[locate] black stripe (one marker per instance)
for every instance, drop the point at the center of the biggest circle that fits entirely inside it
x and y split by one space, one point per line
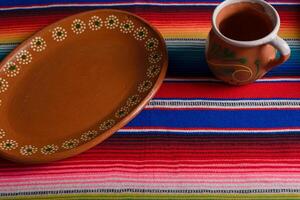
131 190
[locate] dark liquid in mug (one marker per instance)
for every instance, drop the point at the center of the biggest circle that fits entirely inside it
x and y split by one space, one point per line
246 25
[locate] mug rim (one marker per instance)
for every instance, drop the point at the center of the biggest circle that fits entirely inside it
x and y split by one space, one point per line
266 39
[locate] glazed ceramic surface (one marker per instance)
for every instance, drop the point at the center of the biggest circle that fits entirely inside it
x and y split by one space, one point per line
76 82
241 62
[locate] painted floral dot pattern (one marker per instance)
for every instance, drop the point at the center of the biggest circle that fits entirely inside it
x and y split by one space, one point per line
2 133
8 145
49 149
70 144
28 150
59 34
145 86
38 44
24 57
126 26
151 44
153 71
140 33
11 69
78 26
89 135
95 23
3 85
111 22
154 57
133 100
122 112
106 124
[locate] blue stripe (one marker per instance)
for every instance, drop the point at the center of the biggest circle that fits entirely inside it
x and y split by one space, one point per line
187 59
45 2
217 119
7 3
121 132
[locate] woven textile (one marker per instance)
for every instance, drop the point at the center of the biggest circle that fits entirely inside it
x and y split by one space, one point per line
197 139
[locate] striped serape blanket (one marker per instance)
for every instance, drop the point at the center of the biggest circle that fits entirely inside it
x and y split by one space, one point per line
197 139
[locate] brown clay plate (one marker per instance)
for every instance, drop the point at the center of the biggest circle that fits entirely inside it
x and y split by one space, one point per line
76 82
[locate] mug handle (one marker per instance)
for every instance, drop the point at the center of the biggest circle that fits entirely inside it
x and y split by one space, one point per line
284 50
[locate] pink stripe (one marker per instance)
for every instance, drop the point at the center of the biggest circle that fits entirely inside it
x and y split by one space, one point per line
146 179
109 185
105 181
171 128
141 171
163 163
154 176
167 167
286 162
176 165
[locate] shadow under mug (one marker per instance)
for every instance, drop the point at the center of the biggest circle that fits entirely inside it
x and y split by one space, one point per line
239 62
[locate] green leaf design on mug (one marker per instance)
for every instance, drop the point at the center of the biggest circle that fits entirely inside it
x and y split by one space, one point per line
243 60
226 54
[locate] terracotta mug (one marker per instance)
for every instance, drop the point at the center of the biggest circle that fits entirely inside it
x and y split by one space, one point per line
242 44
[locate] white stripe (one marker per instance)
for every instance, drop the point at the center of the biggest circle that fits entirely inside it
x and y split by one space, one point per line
162 176
155 185
277 79
125 4
279 130
168 181
216 80
222 104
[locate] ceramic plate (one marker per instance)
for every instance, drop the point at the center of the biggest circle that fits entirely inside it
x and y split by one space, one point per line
76 82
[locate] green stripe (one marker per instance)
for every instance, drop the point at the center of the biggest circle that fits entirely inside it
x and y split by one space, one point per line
158 196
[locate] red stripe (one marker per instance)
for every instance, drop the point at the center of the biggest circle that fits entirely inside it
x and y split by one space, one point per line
170 149
187 17
222 91
204 128
221 108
